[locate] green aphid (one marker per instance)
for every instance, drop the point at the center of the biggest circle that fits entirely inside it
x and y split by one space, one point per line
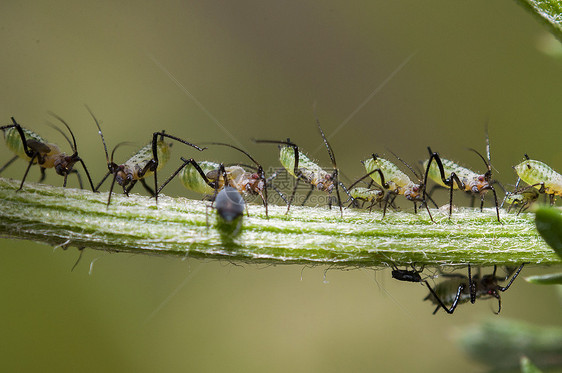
206 177
303 169
540 176
450 175
147 161
32 148
396 182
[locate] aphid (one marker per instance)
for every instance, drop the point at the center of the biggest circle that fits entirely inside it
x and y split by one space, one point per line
365 194
302 168
460 289
523 197
450 175
34 149
540 176
147 161
205 177
407 275
390 177
229 205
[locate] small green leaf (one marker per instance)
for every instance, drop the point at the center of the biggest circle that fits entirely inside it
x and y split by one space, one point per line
549 279
527 366
549 225
548 11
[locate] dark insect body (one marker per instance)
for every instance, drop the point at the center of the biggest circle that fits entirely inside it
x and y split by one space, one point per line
32 148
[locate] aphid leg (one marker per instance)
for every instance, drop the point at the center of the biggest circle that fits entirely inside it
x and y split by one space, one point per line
8 163
308 195
447 181
111 189
27 170
102 181
148 189
78 177
197 167
88 175
127 190
472 285
292 195
512 279
43 175
496 202
333 159
279 192
441 304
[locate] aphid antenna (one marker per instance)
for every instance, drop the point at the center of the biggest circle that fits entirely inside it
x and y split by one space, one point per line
122 143
332 158
406 164
488 166
74 147
59 130
101 135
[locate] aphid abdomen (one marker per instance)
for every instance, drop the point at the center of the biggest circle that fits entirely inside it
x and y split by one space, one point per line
14 143
139 161
393 176
309 171
192 180
464 174
536 172
367 194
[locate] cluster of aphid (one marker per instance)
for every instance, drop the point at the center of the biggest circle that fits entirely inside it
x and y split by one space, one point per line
227 184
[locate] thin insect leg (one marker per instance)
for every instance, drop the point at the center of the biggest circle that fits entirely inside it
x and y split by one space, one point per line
512 279
88 175
127 190
111 188
308 194
472 285
27 170
155 155
415 207
481 202
43 174
496 202
447 181
441 304
387 198
292 196
8 163
337 183
279 192
147 188
102 181
78 177
64 181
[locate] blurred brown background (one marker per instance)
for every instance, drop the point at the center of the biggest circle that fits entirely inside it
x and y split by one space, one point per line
256 69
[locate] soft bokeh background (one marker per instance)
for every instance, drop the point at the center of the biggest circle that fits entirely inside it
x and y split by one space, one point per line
231 70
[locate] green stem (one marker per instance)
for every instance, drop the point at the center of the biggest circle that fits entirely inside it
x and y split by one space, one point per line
80 218
549 12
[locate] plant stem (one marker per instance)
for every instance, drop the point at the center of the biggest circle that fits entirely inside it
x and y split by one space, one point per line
549 12
308 235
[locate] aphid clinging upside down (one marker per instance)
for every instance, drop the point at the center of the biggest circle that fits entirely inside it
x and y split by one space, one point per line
33 148
461 289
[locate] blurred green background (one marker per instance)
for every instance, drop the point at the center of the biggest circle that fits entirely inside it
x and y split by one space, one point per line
256 69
